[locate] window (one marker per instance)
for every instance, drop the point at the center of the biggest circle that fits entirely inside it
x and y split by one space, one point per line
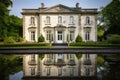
87 71
32 21
71 35
87 56
87 36
59 71
71 56
48 71
71 71
47 20
33 71
60 56
48 35
32 35
33 57
87 20
71 20
59 20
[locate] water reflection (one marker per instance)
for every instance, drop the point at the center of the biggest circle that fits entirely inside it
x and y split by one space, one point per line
16 76
59 65
37 67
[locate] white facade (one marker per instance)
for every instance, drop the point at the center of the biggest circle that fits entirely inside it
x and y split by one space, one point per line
59 23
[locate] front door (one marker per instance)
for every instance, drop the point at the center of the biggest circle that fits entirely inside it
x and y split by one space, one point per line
60 37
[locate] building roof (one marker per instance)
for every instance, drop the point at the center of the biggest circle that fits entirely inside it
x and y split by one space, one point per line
59 9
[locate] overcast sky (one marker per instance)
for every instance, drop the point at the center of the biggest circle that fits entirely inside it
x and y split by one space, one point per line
18 5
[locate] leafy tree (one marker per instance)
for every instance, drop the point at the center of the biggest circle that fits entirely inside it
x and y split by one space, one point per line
78 39
111 17
41 38
114 39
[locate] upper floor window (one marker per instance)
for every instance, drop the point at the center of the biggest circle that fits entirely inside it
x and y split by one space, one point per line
59 20
33 71
48 20
32 20
71 20
48 71
87 71
87 20
59 71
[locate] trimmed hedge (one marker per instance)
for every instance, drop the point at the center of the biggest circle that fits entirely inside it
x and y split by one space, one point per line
93 44
25 45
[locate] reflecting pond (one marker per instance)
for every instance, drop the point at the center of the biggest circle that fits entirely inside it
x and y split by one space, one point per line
17 67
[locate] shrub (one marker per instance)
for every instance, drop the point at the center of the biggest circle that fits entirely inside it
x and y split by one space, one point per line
79 56
9 40
78 39
114 39
41 38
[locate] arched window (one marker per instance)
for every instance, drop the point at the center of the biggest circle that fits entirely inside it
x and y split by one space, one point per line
71 20
87 20
47 20
32 20
59 20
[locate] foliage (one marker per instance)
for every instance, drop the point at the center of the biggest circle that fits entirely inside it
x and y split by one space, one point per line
114 39
79 56
92 44
9 40
10 25
9 64
78 38
111 17
25 45
100 60
41 56
41 38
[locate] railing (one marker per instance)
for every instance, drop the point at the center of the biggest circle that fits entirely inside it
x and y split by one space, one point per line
48 62
32 62
71 62
87 62
60 62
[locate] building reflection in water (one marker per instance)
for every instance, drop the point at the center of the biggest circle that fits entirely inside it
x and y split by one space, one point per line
58 65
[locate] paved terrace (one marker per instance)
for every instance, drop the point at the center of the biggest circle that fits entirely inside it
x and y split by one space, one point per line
61 49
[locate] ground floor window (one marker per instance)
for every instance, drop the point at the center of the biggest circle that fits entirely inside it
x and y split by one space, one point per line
71 35
33 57
87 36
48 35
32 35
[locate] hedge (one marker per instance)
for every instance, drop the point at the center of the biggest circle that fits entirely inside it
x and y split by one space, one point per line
93 44
25 45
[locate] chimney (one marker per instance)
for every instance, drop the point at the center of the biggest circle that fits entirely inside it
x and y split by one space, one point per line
77 5
42 5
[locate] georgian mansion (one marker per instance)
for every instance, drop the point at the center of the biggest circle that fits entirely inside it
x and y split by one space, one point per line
61 24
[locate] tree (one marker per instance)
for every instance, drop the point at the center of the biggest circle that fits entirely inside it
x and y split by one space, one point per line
111 17
78 39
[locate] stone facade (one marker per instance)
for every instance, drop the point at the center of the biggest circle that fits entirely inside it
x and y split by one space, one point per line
60 24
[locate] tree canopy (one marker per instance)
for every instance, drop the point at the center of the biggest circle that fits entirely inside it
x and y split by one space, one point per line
111 17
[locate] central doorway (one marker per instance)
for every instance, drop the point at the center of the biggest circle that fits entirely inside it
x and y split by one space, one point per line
60 37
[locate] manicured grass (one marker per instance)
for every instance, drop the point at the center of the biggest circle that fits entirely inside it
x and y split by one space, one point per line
25 45
92 45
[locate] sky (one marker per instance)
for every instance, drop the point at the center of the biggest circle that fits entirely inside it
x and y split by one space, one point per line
18 5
